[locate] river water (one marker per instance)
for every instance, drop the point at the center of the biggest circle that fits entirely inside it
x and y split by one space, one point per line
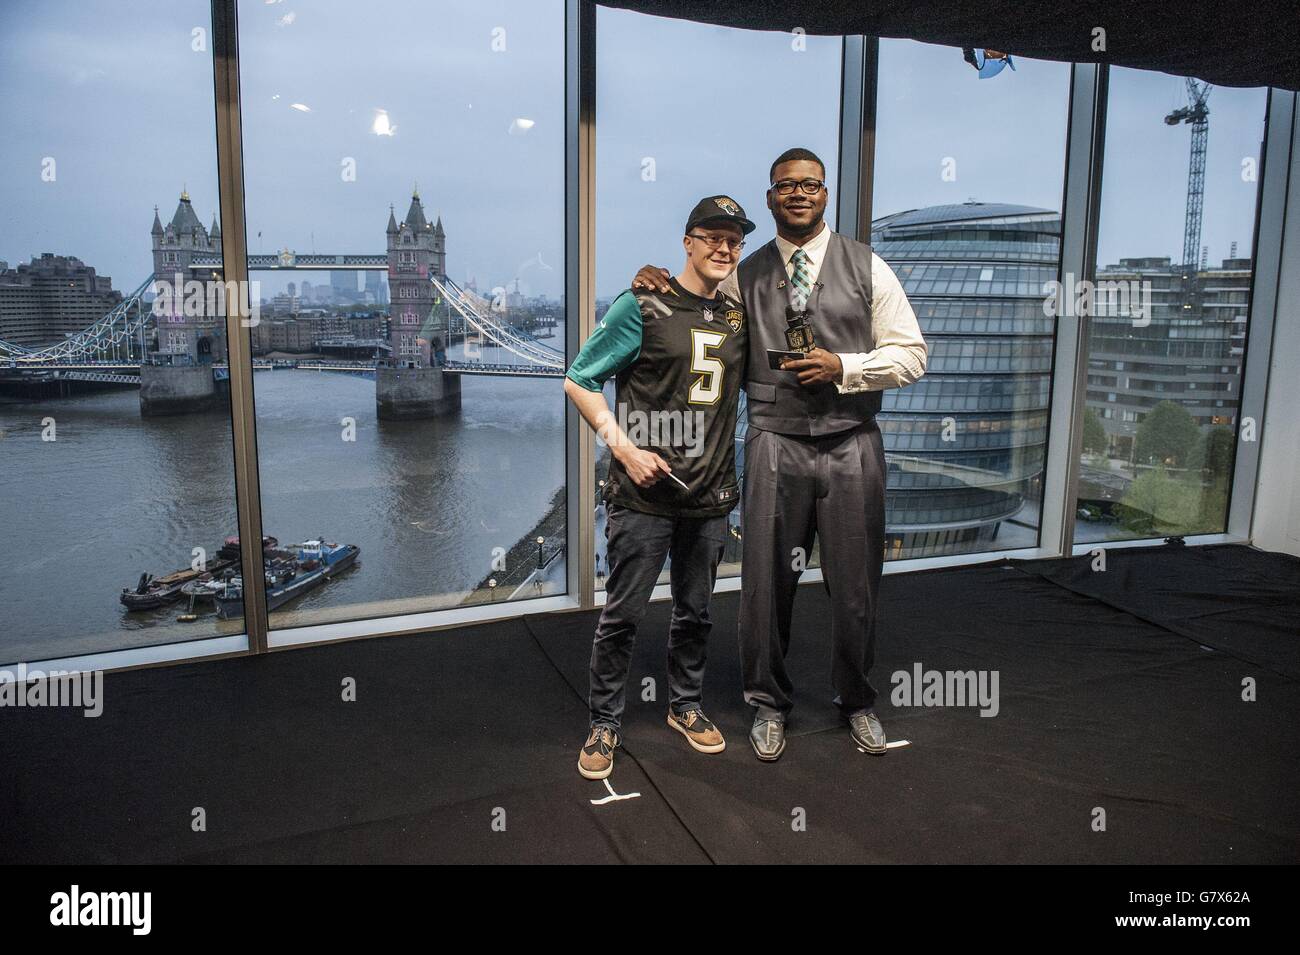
115 494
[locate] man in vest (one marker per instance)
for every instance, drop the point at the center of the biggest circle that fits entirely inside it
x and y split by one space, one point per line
814 461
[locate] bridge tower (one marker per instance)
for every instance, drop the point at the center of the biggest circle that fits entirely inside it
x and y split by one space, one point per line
175 248
415 254
177 378
410 382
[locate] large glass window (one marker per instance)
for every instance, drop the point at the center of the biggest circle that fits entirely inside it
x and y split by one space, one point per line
116 477
404 169
968 184
1175 263
685 111
404 176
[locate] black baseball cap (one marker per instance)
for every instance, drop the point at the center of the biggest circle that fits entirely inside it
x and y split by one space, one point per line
719 209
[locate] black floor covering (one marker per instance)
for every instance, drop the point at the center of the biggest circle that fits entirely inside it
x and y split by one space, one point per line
1120 690
1242 601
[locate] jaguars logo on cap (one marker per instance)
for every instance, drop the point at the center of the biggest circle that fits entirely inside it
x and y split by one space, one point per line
734 318
727 205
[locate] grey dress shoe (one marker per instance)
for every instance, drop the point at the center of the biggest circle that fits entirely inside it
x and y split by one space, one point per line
867 732
768 739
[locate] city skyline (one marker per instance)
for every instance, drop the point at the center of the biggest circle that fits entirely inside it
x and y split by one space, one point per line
295 198
343 118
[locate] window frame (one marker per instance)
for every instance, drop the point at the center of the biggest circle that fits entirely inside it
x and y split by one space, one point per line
1086 110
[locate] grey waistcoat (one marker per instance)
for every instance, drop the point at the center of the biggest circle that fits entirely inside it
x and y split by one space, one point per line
839 310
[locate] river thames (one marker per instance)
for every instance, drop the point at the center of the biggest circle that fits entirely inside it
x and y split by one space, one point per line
115 494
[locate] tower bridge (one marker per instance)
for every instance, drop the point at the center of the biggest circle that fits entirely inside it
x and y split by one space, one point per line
177 357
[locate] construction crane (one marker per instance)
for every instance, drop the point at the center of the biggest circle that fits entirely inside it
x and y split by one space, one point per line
1197 114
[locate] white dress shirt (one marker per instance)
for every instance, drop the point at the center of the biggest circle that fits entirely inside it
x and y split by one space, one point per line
900 354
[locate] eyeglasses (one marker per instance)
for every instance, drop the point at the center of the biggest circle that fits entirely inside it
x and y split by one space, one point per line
810 187
715 242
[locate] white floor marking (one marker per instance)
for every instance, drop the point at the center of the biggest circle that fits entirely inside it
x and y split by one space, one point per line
613 796
894 745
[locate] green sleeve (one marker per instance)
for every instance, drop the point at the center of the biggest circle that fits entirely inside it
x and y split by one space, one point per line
613 346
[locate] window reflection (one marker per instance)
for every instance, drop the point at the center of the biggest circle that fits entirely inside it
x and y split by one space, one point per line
1165 362
116 477
405 184
968 175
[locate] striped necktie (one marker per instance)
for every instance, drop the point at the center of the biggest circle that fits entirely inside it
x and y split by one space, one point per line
800 284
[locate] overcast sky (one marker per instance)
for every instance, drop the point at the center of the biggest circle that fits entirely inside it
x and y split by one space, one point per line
467 100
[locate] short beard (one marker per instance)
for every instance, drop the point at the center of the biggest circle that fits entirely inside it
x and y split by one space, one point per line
812 228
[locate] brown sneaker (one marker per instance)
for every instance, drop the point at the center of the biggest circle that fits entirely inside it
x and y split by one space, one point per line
697 729
596 761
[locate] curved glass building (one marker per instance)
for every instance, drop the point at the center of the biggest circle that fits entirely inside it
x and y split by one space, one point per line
966 444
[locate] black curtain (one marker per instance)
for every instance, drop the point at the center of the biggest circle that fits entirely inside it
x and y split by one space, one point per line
1228 43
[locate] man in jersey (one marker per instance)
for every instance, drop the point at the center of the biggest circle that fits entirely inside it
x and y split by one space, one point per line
814 460
678 359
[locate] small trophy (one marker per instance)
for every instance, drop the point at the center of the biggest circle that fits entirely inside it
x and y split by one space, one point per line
798 330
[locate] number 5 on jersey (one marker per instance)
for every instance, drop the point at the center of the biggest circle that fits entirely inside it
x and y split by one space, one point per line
706 389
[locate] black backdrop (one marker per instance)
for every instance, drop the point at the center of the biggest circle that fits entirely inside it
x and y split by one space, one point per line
1229 43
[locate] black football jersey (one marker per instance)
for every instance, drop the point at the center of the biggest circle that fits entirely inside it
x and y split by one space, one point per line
679 399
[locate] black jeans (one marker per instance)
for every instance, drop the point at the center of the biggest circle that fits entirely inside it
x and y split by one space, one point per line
637 546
